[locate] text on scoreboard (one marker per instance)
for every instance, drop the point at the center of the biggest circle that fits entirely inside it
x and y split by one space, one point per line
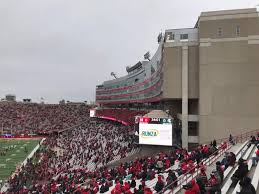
148 120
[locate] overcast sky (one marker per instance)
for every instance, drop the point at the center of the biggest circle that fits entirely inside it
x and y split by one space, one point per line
61 49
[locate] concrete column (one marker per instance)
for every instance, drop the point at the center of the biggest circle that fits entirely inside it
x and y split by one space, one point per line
185 97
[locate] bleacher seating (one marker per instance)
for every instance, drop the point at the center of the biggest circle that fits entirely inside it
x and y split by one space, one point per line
230 170
245 152
151 183
32 118
87 148
247 155
194 175
241 151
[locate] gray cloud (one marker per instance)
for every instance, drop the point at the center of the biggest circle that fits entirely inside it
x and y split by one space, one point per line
62 48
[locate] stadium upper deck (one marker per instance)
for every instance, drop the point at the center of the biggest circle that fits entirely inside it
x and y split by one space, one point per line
142 84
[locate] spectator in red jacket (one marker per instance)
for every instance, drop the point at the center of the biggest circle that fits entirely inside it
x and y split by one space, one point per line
224 145
256 158
117 189
184 167
147 191
205 151
190 166
193 188
126 186
202 175
159 185
214 183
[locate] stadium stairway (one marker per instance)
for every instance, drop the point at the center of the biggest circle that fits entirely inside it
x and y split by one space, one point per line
255 179
246 157
253 173
227 182
241 151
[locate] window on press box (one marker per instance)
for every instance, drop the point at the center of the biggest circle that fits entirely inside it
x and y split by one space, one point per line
219 32
237 30
184 36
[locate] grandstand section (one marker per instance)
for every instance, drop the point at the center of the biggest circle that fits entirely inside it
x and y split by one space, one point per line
30 119
181 121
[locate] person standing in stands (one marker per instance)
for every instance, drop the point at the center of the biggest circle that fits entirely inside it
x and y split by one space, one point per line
140 190
205 151
220 171
256 158
159 184
104 188
193 188
133 182
147 191
241 172
117 189
246 186
198 156
214 143
160 165
171 179
202 175
257 139
228 160
214 184
231 140
202 180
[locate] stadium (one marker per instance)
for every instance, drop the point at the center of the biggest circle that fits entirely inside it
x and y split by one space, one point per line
182 121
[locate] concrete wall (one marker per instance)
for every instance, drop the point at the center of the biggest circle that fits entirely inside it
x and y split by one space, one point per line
193 71
172 73
229 78
172 86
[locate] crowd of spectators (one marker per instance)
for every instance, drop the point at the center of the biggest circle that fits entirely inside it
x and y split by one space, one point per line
28 118
96 142
77 160
62 173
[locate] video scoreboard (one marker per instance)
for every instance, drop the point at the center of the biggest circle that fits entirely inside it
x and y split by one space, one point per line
155 131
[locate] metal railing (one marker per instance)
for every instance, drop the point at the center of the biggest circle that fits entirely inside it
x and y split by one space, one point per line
193 172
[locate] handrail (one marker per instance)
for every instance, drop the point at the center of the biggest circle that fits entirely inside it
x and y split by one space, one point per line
184 178
190 174
238 138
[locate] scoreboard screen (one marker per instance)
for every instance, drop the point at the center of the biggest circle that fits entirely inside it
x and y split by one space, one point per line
155 131
92 112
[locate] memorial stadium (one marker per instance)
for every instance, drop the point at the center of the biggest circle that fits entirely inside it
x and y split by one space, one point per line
185 120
